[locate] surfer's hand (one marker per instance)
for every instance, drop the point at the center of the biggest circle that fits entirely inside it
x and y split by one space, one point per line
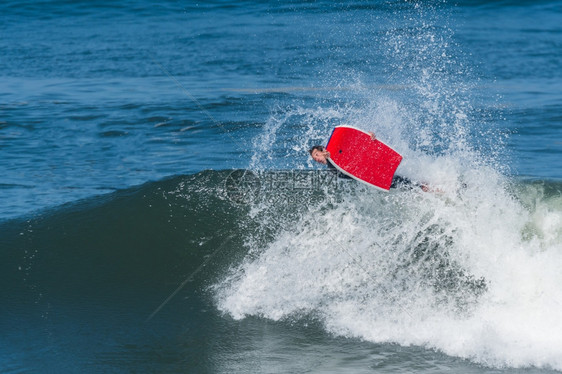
372 135
427 188
327 154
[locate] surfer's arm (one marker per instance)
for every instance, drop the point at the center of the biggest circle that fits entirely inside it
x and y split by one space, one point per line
372 135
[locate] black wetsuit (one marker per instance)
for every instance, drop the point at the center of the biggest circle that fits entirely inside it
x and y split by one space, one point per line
397 181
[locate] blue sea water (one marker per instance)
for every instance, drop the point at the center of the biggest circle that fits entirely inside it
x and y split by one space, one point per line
123 250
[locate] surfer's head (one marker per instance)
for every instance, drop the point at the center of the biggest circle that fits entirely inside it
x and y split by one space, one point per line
319 154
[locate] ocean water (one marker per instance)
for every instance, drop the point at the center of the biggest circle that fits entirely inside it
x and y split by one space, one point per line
159 211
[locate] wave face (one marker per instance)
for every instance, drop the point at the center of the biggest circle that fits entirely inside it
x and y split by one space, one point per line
82 283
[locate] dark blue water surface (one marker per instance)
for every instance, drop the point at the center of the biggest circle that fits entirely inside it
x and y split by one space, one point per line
113 107
97 96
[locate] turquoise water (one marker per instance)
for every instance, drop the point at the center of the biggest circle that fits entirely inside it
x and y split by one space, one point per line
124 248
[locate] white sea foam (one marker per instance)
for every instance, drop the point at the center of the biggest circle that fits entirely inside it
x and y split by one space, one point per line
371 267
473 271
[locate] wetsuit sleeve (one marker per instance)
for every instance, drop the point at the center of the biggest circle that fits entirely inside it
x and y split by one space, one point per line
403 182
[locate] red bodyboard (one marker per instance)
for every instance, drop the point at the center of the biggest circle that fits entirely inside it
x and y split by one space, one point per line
354 153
